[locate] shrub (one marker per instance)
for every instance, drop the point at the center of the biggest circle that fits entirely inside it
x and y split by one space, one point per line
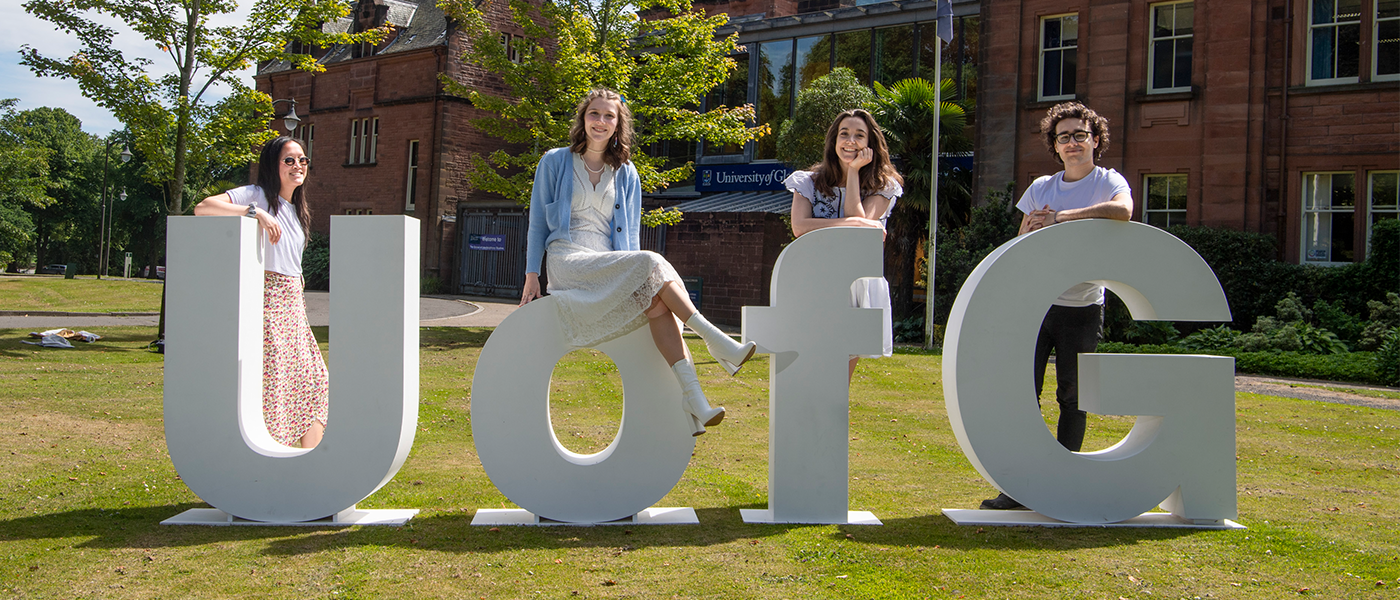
802 138
1216 338
960 250
909 330
1357 367
316 262
1333 317
1388 359
1385 316
430 284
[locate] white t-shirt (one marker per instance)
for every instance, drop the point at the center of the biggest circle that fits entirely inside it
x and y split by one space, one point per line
285 256
1053 192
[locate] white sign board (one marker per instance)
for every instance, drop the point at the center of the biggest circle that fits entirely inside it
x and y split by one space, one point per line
812 331
1181 451
214 427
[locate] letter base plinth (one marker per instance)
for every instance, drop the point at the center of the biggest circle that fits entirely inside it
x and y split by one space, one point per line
758 516
1027 518
655 515
345 518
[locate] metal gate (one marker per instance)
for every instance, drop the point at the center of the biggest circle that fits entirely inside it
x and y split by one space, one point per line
492 251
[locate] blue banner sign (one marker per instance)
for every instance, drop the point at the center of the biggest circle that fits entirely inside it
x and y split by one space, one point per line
481 241
734 178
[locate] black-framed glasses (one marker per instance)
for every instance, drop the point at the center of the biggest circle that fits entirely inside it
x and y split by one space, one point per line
1078 136
292 160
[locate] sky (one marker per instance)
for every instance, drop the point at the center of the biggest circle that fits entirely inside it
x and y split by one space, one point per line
17 81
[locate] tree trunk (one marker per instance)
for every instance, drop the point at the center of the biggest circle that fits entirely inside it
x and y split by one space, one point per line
903 232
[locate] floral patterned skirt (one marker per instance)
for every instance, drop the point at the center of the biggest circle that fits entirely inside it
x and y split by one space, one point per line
296 385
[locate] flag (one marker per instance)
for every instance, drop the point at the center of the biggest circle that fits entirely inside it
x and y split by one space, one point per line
945 20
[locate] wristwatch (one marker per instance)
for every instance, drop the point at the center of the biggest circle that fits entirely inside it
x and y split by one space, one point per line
252 210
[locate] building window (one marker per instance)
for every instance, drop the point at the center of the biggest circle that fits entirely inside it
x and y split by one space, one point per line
853 51
1385 42
1059 46
732 93
774 93
307 134
1166 200
513 44
411 191
359 211
1334 41
1169 68
1329 217
1385 199
814 59
894 54
364 141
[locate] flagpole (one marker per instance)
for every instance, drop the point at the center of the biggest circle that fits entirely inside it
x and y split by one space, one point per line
930 252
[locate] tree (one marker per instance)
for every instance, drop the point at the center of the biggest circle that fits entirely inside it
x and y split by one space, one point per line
802 139
175 124
23 171
592 44
906 112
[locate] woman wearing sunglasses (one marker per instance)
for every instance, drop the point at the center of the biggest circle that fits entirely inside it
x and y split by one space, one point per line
295 382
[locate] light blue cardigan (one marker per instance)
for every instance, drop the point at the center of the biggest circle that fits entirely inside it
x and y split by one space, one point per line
551 204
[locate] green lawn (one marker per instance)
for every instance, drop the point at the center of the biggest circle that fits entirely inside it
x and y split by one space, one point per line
54 293
84 482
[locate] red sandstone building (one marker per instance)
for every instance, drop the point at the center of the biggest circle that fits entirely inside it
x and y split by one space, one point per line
1273 116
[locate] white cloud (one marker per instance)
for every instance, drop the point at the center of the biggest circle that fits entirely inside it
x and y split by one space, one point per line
17 81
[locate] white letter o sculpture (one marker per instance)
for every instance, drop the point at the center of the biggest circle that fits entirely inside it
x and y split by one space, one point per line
1181 451
523 457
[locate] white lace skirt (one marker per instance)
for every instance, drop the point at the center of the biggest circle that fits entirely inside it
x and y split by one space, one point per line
874 292
602 295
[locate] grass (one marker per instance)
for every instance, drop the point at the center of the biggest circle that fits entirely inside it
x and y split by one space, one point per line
84 482
54 293
1359 391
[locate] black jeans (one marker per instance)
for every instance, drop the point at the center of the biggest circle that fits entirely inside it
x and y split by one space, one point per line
1069 331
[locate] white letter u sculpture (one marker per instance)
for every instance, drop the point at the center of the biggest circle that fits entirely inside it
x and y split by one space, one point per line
214 426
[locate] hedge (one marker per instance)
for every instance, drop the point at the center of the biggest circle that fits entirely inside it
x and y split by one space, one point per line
1355 367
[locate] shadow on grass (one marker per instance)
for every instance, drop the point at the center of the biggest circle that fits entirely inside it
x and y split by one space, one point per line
139 527
937 530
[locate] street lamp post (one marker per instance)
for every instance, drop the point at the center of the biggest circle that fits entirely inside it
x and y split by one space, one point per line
291 120
111 224
102 208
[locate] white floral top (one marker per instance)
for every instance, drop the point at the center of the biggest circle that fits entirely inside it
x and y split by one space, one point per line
829 207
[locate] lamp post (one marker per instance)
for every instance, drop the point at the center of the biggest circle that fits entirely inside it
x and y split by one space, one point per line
102 208
290 120
111 224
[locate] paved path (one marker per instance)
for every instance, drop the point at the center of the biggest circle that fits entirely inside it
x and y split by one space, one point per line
436 311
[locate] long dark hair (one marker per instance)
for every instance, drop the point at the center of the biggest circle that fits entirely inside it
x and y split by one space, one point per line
874 177
270 180
619 149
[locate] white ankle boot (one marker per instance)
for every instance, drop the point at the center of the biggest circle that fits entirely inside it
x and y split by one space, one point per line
693 399
730 354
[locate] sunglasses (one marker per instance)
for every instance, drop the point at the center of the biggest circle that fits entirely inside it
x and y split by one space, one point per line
1078 136
290 160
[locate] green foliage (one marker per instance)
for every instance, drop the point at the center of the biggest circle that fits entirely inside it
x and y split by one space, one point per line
960 250
596 44
429 284
1385 316
180 133
23 171
1333 317
909 330
1151 332
1215 338
906 112
1388 359
316 262
1357 367
802 139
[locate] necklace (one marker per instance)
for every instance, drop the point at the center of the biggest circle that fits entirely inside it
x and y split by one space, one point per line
590 169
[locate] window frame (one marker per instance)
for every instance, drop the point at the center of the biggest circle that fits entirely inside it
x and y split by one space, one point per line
1152 47
306 132
1305 212
1375 41
1308 62
1170 212
411 185
1040 63
1371 202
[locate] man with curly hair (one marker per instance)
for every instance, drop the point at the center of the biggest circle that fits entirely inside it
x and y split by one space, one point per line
1076 136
